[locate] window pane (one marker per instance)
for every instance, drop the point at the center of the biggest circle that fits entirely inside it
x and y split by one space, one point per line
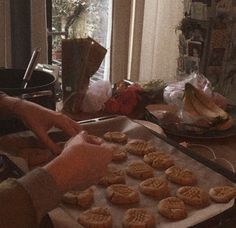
80 19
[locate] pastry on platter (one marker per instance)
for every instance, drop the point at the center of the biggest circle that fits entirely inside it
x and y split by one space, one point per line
114 176
115 136
139 170
122 194
82 199
159 160
155 187
138 217
172 208
222 194
98 217
180 175
193 196
139 147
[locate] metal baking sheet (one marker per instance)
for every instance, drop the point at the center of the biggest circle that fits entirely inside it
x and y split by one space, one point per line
203 173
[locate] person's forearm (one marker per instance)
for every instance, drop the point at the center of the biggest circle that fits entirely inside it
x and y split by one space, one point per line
8 104
16 206
43 191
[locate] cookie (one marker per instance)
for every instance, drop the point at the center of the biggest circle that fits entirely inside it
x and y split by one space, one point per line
181 176
115 136
138 217
139 170
139 147
172 208
158 160
155 187
114 176
193 196
122 194
82 199
98 217
222 194
118 154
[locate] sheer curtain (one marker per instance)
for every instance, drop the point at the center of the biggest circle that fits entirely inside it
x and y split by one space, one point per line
144 39
159 49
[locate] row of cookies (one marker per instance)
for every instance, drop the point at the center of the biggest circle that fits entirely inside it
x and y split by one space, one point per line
175 174
171 207
100 217
119 193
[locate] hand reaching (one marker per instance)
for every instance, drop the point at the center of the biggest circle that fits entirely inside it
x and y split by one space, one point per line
40 120
81 164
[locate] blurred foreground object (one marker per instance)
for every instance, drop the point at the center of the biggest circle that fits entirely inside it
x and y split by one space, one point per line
81 58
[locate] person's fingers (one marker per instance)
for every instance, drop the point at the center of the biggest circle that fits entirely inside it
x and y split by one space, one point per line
69 126
92 139
79 138
106 153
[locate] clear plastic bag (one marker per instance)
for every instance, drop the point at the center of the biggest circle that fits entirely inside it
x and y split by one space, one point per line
97 94
173 93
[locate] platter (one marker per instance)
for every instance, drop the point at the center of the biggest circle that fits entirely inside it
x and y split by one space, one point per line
182 132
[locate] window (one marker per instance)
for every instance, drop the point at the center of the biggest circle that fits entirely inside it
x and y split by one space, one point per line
137 45
80 19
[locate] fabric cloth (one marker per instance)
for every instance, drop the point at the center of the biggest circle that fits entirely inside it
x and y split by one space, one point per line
25 201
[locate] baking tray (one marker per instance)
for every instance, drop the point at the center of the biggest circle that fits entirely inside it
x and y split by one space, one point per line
204 169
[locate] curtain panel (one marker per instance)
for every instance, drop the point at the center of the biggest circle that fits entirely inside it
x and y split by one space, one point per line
144 39
160 41
5 34
120 39
23 27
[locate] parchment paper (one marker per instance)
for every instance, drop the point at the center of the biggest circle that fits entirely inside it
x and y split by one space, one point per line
206 178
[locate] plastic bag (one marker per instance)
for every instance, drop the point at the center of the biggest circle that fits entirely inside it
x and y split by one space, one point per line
173 93
97 94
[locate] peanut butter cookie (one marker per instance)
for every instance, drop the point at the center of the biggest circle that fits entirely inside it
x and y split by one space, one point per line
114 176
193 196
138 217
82 199
155 187
172 208
115 136
122 194
222 194
139 170
98 217
158 160
139 147
181 176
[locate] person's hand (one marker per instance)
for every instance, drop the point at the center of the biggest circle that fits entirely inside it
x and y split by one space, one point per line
40 120
81 164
